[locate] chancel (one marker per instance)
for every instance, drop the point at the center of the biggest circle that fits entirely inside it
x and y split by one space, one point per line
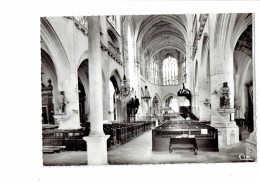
148 89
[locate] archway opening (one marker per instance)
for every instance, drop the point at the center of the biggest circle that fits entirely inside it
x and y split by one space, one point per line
114 102
49 88
171 105
82 99
83 89
243 67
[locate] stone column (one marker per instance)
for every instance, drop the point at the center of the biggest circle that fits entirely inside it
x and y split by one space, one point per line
180 62
103 27
138 88
190 75
70 118
180 71
106 99
195 106
97 140
251 142
105 61
204 93
189 63
160 72
221 70
228 132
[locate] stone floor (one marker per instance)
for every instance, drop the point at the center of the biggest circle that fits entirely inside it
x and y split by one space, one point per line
139 151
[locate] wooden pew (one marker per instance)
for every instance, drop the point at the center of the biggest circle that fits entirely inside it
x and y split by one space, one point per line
183 143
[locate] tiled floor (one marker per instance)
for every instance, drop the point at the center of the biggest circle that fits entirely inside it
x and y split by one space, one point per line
139 151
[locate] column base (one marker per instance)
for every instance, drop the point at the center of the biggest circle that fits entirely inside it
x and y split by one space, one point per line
97 149
66 122
228 133
251 149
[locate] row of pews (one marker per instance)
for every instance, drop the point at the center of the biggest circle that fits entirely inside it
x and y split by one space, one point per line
55 140
125 132
70 140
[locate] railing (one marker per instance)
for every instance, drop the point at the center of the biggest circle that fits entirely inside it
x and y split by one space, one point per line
81 23
112 52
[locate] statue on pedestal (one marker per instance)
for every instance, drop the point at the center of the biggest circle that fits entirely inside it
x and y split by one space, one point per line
62 102
224 99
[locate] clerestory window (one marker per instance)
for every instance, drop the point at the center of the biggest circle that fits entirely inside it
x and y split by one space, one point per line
170 71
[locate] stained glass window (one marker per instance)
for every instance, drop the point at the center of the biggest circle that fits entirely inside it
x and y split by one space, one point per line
170 71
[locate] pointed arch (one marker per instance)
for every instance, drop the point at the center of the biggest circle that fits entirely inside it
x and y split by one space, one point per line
48 69
83 57
55 47
168 95
242 23
84 79
115 78
157 96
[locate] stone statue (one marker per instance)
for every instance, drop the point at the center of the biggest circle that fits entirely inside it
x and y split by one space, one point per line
224 99
61 100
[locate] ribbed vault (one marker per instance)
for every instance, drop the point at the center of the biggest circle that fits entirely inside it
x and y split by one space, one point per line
160 36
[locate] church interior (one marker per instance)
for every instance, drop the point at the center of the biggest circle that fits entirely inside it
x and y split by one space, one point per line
148 89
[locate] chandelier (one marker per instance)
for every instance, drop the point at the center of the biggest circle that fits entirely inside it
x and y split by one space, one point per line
146 97
125 87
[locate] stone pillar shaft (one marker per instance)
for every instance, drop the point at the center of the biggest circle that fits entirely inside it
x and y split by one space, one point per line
180 71
204 93
95 76
221 70
97 140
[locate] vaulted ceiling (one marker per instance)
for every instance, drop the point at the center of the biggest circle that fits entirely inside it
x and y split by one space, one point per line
160 36
244 42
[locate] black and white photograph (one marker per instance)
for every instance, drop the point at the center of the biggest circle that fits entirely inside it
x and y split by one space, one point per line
148 89
130 90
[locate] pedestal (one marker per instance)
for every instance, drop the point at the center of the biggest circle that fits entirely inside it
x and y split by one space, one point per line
226 111
64 122
97 149
251 149
228 134
228 131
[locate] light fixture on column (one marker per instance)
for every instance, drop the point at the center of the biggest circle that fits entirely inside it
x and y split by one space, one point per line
125 88
146 95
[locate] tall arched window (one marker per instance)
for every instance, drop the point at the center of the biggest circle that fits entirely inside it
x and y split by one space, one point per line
170 71
154 72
